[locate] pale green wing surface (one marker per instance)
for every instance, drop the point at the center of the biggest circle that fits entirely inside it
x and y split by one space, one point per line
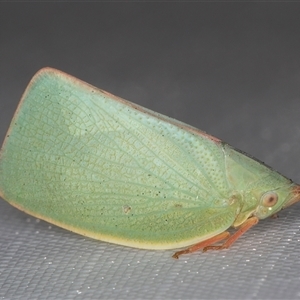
106 168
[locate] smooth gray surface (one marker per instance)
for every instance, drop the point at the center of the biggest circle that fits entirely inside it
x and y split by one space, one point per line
231 69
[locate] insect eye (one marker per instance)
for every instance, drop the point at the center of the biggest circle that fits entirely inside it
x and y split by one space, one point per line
269 199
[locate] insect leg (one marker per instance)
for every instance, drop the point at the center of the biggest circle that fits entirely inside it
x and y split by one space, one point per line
203 244
231 239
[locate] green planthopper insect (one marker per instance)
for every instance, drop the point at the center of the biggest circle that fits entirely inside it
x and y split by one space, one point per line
106 168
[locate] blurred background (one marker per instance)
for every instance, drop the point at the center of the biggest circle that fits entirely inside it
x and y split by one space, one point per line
231 69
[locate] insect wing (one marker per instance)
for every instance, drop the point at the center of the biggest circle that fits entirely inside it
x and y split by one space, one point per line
100 166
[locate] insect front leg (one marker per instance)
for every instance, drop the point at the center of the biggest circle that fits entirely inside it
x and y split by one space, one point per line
222 236
230 239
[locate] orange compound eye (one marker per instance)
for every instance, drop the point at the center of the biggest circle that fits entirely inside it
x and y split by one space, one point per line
269 199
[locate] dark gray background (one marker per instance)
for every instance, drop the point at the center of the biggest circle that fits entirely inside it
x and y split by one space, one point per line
231 69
